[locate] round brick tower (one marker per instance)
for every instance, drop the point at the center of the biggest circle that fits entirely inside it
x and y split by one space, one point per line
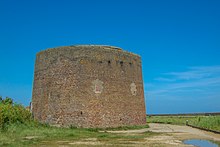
88 86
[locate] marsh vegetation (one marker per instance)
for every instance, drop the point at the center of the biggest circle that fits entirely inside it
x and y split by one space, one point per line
207 122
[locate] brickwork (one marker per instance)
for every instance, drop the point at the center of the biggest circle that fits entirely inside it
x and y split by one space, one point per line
88 86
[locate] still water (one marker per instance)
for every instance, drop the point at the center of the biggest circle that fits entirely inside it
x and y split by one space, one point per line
200 143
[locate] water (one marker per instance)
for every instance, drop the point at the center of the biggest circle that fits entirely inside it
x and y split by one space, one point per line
200 143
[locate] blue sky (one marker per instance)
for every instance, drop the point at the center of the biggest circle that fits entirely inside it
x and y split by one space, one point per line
179 42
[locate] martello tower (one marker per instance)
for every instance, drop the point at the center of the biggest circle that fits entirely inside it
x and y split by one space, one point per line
88 86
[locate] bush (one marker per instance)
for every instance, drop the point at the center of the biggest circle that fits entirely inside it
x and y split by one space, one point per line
11 113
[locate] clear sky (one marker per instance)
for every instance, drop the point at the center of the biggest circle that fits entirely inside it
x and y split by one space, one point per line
178 40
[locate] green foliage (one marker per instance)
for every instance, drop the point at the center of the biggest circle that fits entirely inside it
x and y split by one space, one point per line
36 134
128 127
178 120
8 101
12 113
208 122
17 128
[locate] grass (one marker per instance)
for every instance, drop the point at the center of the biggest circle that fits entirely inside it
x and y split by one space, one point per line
208 122
17 128
127 128
34 134
178 120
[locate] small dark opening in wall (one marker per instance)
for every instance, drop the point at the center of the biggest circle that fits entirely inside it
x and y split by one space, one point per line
81 113
120 119
121 63
100 61
109 62
130 64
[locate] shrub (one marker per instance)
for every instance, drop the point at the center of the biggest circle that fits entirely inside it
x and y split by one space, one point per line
12 113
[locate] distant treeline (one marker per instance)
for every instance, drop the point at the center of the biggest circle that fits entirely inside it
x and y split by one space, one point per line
187 114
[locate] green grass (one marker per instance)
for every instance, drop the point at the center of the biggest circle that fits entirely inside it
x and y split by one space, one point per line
35 134
127 128
208 122
178 120
17 128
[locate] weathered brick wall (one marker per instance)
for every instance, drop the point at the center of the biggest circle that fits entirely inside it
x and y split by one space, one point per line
88 86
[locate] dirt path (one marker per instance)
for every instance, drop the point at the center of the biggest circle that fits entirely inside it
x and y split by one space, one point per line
184 132
172 135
